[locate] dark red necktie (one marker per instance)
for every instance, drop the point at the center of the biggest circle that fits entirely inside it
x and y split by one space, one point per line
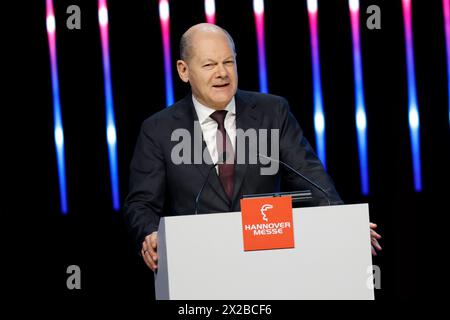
225 152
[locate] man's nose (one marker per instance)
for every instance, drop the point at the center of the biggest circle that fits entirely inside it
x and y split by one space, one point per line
221 71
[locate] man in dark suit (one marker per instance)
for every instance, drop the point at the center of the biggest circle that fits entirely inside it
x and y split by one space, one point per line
166 174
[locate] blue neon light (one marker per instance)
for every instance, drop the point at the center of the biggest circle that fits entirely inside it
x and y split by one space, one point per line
360 110
413 111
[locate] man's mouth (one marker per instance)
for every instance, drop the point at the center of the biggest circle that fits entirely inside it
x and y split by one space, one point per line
221 85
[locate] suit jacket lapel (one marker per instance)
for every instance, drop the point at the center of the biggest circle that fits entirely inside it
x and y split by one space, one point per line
246 118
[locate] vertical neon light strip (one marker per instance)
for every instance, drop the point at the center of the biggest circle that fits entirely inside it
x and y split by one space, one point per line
413 112
258 10
446 6
164 17
360 114
110 120
57 118
319 117
210 11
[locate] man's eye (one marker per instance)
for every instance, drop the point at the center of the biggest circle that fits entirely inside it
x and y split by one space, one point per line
208 65
229 62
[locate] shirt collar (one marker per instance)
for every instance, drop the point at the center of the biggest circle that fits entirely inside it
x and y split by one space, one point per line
203 112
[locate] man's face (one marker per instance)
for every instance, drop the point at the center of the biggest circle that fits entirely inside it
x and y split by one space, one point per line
211 69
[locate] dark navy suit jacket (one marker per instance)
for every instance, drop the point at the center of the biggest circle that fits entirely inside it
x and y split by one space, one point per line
159 187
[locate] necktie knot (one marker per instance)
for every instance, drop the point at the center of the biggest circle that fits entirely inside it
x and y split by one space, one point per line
219 117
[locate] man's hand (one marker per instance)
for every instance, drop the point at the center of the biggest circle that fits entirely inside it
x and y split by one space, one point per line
149 252
374 237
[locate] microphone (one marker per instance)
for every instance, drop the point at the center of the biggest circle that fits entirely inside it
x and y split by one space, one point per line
300 175
197 198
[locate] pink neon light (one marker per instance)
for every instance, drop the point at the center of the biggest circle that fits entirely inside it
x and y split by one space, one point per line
407 17
50 20
312 6
354 5
102 13
258 9
104 35
164 18
312 9
210 11
446 5
354 20
164 10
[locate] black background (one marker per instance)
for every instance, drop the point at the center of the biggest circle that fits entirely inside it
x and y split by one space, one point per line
93 236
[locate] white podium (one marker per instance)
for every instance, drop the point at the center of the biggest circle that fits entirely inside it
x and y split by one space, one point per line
202 257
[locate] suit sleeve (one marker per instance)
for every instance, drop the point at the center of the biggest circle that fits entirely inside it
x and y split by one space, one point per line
145 201
296 151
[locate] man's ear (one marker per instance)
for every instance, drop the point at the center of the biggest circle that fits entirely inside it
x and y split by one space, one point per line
183 70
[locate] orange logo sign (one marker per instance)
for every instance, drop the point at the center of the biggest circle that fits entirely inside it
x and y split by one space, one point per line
267 223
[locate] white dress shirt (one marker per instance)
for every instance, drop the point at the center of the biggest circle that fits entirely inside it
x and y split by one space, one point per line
209 126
